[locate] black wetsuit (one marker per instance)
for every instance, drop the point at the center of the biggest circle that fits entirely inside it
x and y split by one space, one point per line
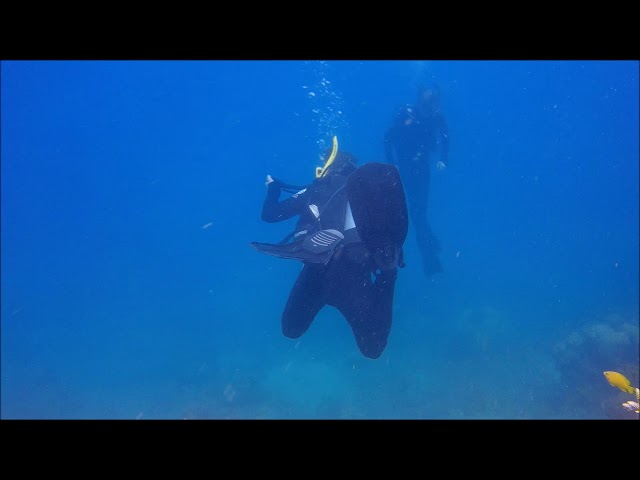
409 143
345 282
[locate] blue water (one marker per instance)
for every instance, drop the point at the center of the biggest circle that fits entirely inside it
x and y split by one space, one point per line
131 190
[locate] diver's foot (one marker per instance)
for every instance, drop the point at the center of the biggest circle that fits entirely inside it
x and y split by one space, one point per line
432 266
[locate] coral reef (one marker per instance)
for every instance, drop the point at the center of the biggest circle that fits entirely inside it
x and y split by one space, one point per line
581 358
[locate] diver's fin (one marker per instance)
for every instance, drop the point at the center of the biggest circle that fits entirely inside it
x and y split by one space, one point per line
431 264
282 250
379 206
315 248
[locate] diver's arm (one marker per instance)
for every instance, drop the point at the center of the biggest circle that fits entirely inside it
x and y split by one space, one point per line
393 135
274 210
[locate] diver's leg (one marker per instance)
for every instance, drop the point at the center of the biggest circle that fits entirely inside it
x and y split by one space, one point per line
419 179
305 301
378 204
368 307
429 247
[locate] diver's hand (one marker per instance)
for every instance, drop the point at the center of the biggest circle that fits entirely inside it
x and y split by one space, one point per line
387 258
273 184
441 165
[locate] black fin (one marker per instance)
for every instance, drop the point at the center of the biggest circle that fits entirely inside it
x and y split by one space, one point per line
316 248
379 205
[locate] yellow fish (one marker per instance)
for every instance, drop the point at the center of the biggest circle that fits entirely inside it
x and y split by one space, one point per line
618 380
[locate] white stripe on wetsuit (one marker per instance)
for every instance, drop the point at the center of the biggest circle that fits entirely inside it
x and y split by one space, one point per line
349 222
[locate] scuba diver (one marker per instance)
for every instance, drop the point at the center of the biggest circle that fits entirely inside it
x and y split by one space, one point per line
349 236
413 136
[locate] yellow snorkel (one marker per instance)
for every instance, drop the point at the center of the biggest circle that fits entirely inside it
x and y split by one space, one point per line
320 171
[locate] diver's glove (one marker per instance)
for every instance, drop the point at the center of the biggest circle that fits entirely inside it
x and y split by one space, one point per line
273 184
276 185
388 258
276 182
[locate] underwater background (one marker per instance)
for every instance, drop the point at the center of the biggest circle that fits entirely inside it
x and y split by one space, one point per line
130 191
